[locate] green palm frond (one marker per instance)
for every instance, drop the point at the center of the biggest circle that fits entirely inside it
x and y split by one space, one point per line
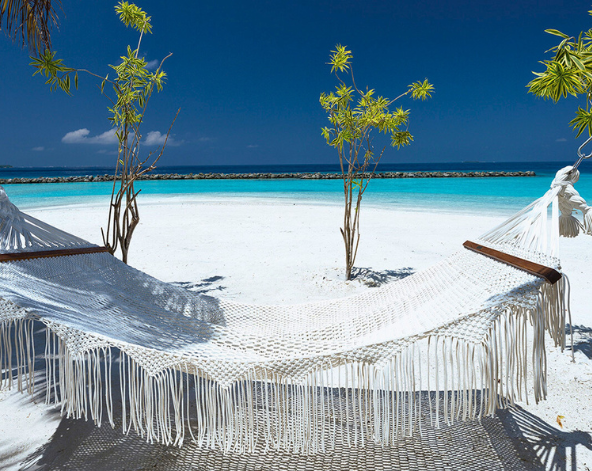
582 121
339 59
421 90
401 138
568 73
132 15
557 81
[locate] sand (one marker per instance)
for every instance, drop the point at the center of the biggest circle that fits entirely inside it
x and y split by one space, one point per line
265 251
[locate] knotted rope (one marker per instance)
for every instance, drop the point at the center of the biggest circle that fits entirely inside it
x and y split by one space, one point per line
569 200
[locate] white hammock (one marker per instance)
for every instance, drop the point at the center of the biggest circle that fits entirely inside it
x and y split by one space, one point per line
296 378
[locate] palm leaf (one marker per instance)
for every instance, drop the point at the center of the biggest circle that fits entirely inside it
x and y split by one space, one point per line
28 22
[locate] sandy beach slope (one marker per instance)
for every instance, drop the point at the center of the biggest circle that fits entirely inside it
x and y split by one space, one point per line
273 252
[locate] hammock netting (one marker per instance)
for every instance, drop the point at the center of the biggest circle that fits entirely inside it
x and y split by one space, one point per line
451 342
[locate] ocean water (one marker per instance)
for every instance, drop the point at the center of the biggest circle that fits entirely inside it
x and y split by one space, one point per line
495 195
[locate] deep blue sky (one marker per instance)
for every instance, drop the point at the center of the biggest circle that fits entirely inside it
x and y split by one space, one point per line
247 76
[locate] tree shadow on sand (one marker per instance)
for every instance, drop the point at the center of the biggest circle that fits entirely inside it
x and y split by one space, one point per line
539 445
582 339
207 285
375 278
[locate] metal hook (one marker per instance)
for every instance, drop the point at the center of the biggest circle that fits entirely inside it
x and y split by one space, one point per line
582 156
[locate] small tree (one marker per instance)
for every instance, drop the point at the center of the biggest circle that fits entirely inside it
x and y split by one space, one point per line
351 134
568 73
132 87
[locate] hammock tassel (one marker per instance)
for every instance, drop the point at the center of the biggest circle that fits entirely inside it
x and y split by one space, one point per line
569 226
588 222
570 201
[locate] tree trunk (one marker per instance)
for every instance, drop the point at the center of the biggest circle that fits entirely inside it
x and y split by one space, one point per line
349 230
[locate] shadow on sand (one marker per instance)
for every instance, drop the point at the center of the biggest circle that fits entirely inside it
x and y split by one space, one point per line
512 440
207 285
376 278
541 445
582 339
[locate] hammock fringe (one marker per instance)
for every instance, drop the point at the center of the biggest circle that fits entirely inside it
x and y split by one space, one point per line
353 401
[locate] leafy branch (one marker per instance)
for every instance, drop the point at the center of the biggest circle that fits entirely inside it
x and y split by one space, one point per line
568 73
353 114
132 88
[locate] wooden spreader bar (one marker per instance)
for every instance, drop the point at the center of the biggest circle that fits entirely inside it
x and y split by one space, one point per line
10 257
549 274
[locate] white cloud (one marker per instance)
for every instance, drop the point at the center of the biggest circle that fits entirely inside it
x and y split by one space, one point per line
38 149
155 138
561 139
205 139
152 65
81 136
252 146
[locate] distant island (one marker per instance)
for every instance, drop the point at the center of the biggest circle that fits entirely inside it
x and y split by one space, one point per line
5 166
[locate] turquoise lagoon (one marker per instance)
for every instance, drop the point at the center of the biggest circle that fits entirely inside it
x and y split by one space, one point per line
499 195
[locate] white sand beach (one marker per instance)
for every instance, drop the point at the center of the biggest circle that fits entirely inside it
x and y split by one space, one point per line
272 252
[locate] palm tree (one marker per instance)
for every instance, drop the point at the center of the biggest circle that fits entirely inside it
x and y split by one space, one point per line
28 22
